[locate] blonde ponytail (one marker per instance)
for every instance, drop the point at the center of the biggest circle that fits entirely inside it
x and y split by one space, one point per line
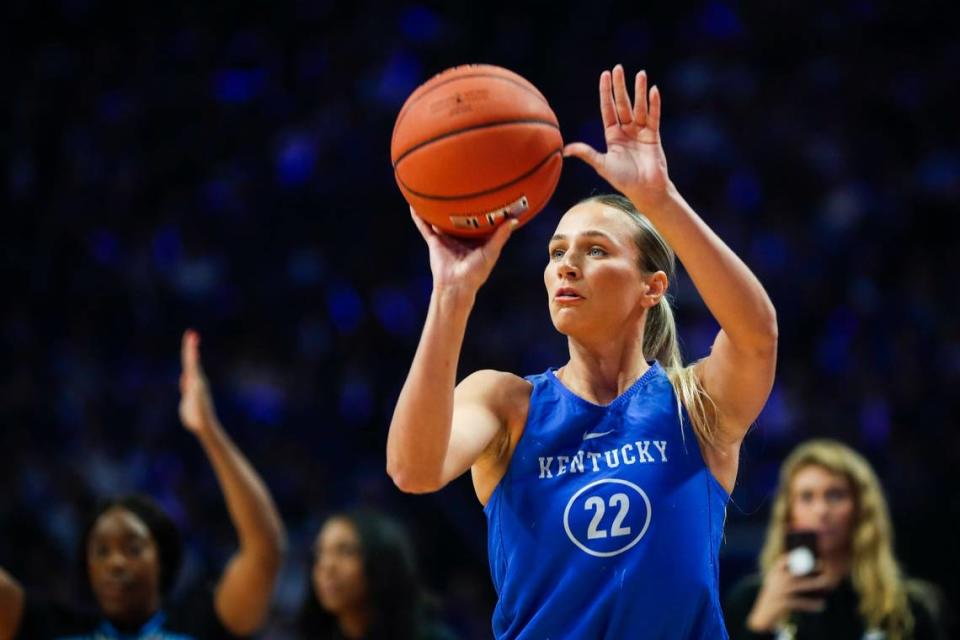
660 340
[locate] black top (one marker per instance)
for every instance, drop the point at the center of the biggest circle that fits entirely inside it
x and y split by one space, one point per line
839 620
189 617
427 632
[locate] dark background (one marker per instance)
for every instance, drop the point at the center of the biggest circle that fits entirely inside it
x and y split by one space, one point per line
227 167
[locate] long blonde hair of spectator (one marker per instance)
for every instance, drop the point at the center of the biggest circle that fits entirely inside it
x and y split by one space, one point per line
876 576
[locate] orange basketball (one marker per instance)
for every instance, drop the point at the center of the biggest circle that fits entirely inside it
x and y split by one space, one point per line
476 145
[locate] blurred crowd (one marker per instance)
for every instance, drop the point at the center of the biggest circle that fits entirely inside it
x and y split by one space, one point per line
226 167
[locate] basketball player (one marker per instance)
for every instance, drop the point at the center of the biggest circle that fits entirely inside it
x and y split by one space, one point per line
132 552
604 481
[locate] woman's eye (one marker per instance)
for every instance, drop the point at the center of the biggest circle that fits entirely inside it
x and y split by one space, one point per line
835 495
556 254
597 251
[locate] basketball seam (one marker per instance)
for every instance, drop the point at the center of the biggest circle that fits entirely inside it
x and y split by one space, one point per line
406 107
467 196
474 127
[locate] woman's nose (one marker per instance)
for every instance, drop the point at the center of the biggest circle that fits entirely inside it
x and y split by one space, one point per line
567 267
116 560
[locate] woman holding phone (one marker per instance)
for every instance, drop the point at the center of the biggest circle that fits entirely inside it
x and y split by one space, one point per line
851 586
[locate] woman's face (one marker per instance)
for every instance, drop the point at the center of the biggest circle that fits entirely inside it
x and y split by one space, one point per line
592 277
823 501
124 566
338 572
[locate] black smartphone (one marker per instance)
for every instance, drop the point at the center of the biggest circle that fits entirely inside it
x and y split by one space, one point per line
801 552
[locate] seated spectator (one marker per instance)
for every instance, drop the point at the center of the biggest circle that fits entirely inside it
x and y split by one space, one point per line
364 584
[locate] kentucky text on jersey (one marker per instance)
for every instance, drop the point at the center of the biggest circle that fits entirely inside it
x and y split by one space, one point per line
607 523
637 452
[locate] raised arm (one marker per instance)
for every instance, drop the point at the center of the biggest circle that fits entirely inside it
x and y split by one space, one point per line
436 433
738 373
242 595
11 605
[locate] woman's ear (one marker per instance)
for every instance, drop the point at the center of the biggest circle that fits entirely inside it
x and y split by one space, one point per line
657 285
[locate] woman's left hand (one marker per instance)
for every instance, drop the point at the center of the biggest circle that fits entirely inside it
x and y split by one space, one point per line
634 163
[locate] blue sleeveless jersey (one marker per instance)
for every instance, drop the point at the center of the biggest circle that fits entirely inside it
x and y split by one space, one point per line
607 522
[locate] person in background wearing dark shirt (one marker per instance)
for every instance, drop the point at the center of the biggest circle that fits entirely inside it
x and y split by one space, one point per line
132 553
857 590
364 584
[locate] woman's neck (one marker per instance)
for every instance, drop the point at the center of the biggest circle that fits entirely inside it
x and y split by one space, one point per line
600 372
353 623
132 624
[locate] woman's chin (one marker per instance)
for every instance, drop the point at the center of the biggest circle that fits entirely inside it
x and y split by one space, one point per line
568 323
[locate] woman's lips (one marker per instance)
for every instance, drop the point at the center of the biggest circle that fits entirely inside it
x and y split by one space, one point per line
566 294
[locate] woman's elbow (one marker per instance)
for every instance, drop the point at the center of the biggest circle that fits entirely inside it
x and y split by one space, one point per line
771 331
759 343
278 550
767 334
773 327
270 551
409 481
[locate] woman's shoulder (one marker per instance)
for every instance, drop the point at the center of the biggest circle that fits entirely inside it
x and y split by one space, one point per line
484 378
929 607
492 387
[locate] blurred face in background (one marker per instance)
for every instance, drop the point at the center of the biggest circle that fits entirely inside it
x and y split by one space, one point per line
823 501
338 570
124 567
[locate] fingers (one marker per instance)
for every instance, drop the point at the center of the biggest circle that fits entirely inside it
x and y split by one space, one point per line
615 105
585 152
653 119
494 245
435 236
456 246
810 605
189 350
608 111
810 583
621 97
640 99
422 226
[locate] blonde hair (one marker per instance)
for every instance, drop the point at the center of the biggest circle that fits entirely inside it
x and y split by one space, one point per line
876 576
660 340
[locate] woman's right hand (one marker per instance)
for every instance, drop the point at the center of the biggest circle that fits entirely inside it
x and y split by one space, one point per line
782 593
459 264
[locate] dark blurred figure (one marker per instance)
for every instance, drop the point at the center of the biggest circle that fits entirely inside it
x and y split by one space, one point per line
856 589
133 552
364 584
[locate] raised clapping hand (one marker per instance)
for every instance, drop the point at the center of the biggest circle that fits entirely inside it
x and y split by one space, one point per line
634 163
197 412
